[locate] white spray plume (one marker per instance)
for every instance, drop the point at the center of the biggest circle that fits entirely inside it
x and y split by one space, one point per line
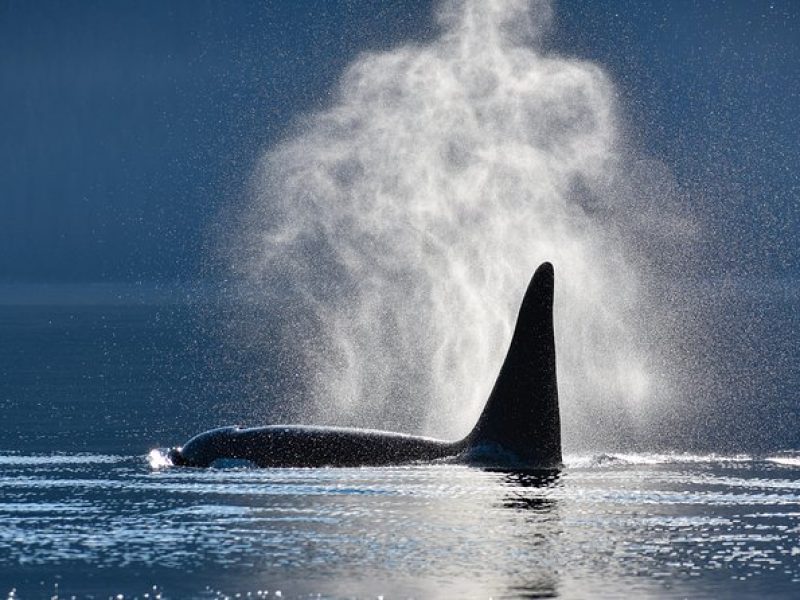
408 217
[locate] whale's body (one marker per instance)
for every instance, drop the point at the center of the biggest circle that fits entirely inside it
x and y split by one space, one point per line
308 446
519 427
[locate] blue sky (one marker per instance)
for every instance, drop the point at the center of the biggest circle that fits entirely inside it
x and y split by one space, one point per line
125 126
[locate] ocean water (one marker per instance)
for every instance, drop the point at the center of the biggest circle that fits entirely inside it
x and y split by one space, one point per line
88 507
98 525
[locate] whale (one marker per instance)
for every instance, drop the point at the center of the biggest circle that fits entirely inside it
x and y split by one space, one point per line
519 428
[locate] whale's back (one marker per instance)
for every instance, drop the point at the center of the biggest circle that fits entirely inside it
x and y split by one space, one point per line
519 428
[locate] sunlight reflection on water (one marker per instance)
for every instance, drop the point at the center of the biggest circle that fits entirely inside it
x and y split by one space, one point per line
610 524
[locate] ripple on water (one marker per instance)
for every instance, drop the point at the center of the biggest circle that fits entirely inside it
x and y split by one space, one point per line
607 525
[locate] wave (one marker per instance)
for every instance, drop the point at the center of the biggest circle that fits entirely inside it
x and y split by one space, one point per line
158 459
648 458
787 460
59 459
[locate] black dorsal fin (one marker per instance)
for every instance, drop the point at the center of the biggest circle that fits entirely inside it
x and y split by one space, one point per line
520 423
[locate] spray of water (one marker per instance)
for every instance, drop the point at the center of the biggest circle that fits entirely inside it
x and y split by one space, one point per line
405 220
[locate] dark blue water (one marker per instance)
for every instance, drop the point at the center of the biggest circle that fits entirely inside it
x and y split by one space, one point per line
123 378
87 510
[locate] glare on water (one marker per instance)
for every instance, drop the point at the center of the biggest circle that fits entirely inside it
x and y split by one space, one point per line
608 524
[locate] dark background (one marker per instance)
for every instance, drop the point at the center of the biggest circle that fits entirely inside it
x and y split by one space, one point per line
125 127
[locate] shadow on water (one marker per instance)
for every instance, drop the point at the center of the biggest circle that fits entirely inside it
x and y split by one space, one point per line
527 488
529 495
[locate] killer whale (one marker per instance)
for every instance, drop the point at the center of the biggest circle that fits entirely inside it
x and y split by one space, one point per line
518 429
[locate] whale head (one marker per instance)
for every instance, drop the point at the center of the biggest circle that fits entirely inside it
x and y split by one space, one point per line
204 449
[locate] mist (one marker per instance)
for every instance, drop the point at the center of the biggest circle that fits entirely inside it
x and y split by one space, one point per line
401 224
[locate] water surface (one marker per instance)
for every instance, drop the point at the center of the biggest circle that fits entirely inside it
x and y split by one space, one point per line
87 390
663 525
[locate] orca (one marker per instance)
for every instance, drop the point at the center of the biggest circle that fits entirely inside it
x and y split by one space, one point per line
519 428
